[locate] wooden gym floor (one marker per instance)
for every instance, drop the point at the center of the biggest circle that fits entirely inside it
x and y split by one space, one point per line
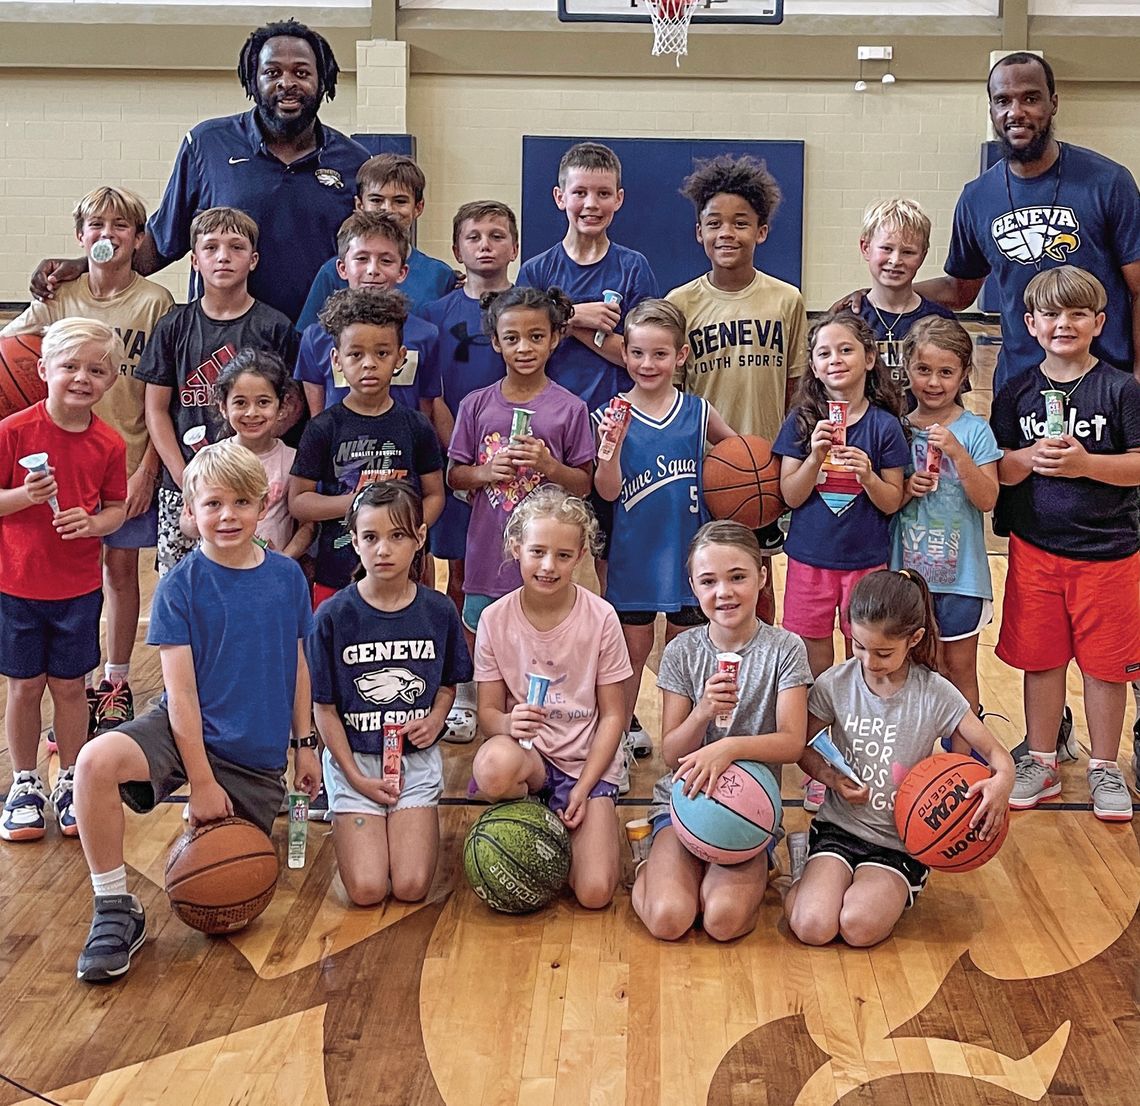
1017 983
1011 984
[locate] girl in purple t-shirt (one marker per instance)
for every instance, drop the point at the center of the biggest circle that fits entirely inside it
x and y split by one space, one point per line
498 467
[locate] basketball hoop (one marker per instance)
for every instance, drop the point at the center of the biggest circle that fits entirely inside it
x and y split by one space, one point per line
671 20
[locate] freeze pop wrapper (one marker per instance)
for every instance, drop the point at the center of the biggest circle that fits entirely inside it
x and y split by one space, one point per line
38 462
102 251
730 663
520 422
933 461
392 762
194 438
298 828
619 412
537 687
837 416
823 745
608 296
1054 412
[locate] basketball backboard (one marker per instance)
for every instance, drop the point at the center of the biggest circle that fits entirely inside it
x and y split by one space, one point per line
707 11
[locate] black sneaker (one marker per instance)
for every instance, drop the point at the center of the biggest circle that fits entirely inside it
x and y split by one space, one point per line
118 930
92 707
642 742
115 705
1067 747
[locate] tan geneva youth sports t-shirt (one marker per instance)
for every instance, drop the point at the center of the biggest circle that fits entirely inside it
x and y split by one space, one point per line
133 313
744 347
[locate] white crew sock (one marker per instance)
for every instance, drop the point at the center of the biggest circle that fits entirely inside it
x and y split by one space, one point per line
117 673
110 883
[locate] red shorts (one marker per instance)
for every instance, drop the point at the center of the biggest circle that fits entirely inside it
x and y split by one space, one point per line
812 596
1056 609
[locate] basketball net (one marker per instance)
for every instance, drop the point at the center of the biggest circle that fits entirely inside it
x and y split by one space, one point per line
671 20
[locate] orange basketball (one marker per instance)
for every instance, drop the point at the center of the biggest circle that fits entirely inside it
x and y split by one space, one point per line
742 481
933 814
220 876
20 383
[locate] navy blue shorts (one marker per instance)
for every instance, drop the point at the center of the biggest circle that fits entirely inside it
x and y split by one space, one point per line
447 537
56 636
686 616
140 532
961 616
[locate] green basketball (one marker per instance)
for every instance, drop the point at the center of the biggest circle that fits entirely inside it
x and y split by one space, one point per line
517 856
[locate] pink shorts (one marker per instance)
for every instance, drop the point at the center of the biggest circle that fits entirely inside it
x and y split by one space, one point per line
812 596
1056 609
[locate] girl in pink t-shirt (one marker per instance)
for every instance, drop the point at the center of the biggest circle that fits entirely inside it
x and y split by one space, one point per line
249 392
567 750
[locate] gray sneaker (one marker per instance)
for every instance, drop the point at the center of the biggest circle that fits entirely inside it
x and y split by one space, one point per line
1032 782
1110 799
626 748
1068 748
118 930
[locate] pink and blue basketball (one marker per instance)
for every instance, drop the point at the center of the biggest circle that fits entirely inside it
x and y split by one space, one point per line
736 822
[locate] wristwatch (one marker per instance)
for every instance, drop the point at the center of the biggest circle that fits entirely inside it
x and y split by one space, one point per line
309 742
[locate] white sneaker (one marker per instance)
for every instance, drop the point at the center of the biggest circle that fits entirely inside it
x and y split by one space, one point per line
626 764
460 726
23 817
642 742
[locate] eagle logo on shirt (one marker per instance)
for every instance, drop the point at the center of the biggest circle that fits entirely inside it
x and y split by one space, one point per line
389 684
330 178
1031 233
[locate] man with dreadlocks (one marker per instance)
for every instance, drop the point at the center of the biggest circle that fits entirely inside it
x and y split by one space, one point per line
277 162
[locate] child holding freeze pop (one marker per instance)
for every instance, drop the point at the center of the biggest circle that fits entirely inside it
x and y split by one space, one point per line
765 702
841 495
952 482
514 436
566 750
649 467
385 655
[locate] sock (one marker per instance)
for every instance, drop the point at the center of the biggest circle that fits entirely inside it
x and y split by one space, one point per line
89 681
110 883
1093 763
1048 759
117 673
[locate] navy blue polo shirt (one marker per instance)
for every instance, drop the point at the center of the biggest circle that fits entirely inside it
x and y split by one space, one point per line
298 208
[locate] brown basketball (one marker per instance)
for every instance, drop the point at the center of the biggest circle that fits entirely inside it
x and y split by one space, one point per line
220 876
742 481
20 383
933 814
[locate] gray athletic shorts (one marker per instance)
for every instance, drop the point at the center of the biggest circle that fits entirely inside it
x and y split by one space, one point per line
423 782
256 793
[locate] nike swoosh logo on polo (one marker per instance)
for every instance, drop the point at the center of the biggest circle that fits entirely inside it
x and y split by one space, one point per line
237 160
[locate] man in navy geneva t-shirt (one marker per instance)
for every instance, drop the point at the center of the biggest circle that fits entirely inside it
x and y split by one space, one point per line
1045 204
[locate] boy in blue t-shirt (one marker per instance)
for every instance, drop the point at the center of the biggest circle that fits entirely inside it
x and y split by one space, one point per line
585 265
373 253
230 621
1070 429
392 184
894 242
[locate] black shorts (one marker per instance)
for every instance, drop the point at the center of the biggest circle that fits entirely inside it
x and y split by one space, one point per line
686 616
256 793
828 839
771 538
604 512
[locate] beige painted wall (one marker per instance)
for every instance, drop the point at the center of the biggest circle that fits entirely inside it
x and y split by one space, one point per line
64 132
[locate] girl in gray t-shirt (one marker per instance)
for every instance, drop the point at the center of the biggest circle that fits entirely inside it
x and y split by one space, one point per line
886 708
769 717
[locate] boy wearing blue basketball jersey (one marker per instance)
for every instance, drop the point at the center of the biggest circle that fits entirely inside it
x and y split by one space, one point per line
585 265
653 478
390 184
230 621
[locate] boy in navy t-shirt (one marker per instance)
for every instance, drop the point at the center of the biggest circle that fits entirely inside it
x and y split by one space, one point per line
393 184
1070 428
364 438
585 265
373 254
230 621
894 242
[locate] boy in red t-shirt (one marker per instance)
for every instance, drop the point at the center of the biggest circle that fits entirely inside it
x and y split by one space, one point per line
54 512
